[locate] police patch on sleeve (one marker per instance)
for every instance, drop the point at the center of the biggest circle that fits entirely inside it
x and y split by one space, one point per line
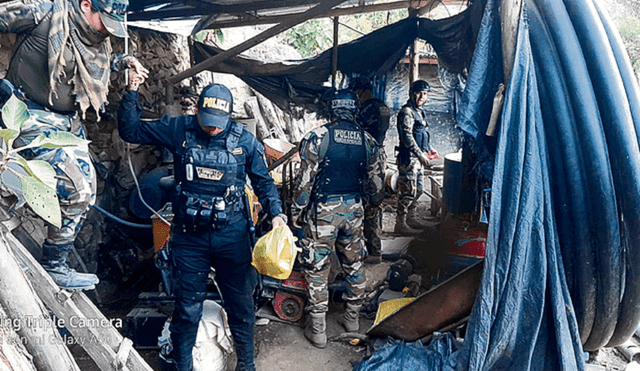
353 137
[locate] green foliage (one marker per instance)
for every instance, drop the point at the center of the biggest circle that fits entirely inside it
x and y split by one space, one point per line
630 32
216 36
316 35
311 37
37 178
630 27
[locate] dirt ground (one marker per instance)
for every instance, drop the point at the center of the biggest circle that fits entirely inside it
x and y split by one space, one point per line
282 346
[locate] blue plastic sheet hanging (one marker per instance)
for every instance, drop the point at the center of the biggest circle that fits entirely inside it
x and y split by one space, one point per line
564 194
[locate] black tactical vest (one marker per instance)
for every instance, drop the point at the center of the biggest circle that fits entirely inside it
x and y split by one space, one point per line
343 167
420 132
210 180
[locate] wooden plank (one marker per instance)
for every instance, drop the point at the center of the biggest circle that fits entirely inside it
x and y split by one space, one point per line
210 62
91 329
271 118
28 316
252 107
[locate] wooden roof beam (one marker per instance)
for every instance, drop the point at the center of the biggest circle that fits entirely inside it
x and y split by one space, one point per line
191 8
226 20
319 9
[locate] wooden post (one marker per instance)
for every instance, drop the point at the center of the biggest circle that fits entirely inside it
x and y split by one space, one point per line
415 62
336 42
270 116
414 70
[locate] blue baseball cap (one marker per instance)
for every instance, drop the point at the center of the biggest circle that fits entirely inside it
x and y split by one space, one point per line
112 15
215 106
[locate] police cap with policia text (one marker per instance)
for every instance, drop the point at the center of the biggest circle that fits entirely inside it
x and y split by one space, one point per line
112 15
215 106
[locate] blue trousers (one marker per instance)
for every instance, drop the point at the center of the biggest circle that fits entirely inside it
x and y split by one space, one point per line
229 252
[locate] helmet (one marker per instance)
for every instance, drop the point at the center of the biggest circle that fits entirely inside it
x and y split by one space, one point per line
418 86
345 99
360 83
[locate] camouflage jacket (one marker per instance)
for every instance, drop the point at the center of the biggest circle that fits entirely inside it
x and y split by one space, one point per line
312 151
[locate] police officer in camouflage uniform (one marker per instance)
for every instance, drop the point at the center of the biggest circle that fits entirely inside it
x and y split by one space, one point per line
61 67
213 157
340 171
413 152
373 117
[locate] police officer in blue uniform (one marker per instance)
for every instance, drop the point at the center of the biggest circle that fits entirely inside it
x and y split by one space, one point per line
213 156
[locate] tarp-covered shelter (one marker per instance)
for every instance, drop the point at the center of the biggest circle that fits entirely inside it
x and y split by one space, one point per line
562 258
300 83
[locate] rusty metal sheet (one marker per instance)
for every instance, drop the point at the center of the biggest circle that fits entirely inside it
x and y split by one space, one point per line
443 305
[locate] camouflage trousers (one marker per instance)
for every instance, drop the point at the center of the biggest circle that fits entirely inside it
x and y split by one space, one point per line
335 225
372 223
76 186
410 185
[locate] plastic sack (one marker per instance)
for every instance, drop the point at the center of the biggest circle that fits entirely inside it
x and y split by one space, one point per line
275 253
213 342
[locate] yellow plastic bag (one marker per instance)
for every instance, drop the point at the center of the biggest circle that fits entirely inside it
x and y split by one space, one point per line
275 253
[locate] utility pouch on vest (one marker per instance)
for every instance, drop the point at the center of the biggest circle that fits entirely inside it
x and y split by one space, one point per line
204 216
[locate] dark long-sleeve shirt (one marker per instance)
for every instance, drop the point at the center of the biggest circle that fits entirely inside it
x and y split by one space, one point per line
29 67
170 132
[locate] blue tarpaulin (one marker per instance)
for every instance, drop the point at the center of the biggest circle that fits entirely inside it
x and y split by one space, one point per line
561 267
